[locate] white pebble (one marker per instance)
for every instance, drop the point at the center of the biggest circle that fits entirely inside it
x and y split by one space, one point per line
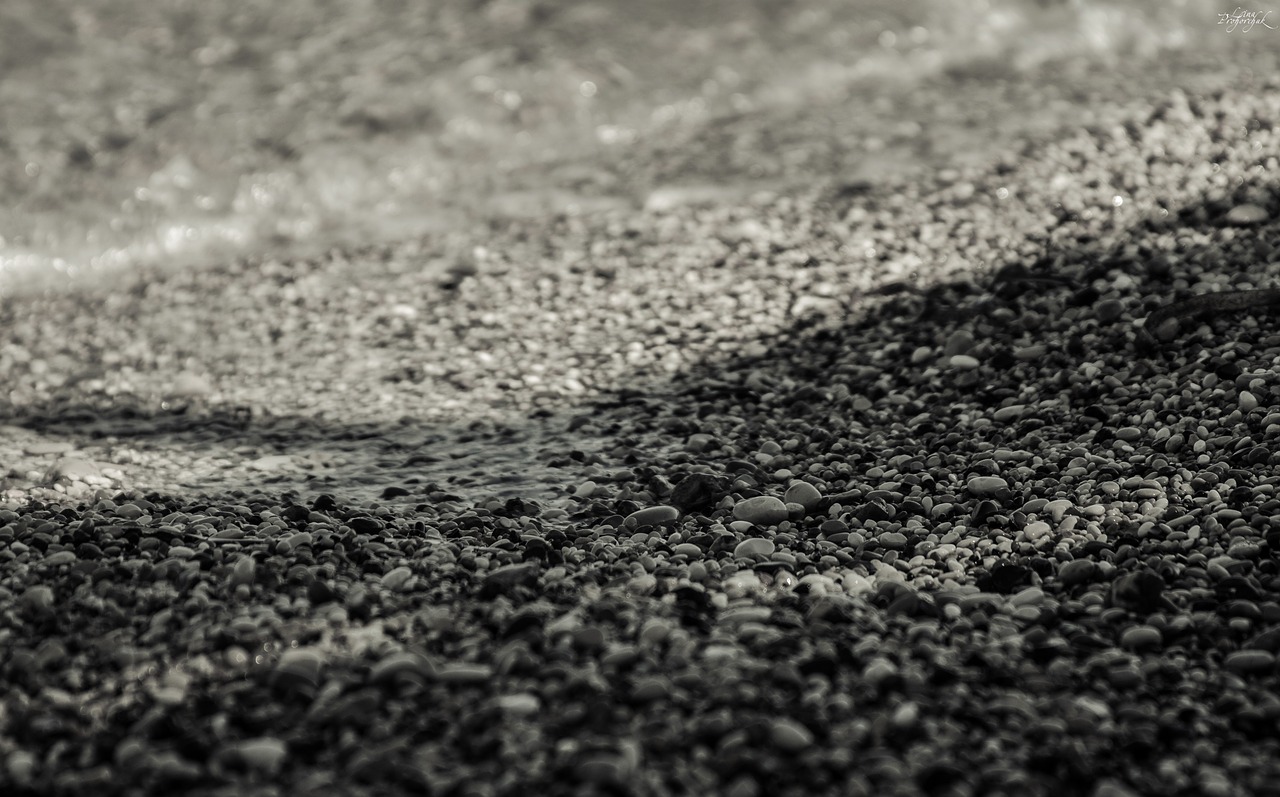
1247 214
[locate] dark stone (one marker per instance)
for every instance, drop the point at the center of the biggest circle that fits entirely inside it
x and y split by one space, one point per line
1140 591
1005 578
697 491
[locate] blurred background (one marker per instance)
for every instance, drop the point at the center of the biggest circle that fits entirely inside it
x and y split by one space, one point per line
182 131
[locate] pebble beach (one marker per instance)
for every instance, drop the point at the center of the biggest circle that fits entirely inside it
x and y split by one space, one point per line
861 485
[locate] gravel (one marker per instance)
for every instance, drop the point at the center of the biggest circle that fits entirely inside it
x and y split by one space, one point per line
790 497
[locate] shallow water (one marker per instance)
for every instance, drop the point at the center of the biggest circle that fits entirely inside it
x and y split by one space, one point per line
184 132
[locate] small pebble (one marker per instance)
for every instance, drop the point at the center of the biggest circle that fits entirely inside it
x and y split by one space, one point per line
894 540
1251 660
753 547
298 670
1140 638
266 754
984 486
790 736
804 494
1247 214
651 516
520 704
397 578
1077 571
763 510
242 572
37 599
402 663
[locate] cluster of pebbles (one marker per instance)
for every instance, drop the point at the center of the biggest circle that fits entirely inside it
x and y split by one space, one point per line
876 489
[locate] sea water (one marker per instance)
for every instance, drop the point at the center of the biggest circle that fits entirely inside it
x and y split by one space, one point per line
178 133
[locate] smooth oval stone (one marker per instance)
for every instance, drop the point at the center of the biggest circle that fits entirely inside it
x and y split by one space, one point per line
651 516
984 486
804 494
401 663
754 546
964 362
790 736
519 703
1077 571
895 540
1030 353
396 578
1029 596
1037 529
688 549
1250 660
38 598
242 572
1141 637
298 669
763 510
1247 213
266 754
1011 413
959 342
464 673
59 558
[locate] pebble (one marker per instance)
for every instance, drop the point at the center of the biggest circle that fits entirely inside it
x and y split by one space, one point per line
1009 414
506 577
754 547
520 704
298 670
1077 571
37 599
46 448
894 540
986 486
960 341
1037 530
21 766
804 494
763 510
399 664
964 362
265 754
464 673
397 579
1247 214
878 671
1250 661
1141 638
790 736
651 516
